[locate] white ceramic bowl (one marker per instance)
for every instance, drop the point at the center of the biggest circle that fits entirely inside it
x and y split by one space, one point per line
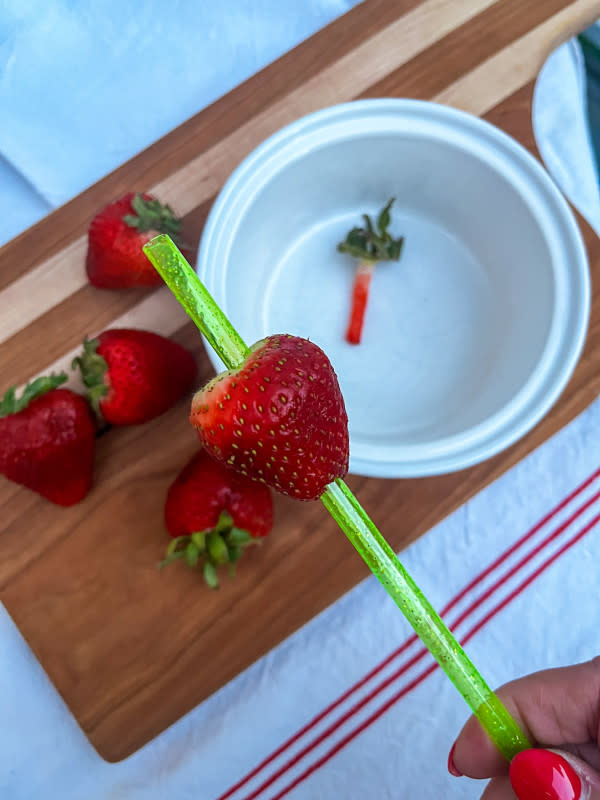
470 338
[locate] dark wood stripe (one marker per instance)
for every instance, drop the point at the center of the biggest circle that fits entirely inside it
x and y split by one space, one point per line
509 117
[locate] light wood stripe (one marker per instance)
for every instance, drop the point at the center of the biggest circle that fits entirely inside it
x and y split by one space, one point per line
60 276
42 288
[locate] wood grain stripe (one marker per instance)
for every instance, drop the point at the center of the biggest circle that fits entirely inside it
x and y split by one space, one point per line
33 351
60 329
42 288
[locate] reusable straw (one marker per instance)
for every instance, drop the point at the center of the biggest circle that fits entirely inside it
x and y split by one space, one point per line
500 726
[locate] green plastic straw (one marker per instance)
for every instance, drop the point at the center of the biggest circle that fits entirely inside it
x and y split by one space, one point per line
500 726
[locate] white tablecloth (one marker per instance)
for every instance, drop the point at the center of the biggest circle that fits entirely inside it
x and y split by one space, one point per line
350 706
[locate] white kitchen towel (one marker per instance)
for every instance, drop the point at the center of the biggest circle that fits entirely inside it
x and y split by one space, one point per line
350 706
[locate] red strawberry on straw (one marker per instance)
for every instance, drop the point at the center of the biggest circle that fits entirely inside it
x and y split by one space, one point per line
279 419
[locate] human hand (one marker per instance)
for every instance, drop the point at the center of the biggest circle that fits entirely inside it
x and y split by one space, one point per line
558 709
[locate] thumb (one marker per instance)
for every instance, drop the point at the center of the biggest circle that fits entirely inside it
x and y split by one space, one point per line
538 774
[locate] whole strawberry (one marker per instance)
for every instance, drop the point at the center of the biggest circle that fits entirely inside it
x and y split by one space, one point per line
115 259
213 513
279 419
133 376
47 440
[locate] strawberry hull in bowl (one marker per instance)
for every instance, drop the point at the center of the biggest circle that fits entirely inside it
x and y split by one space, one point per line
470 337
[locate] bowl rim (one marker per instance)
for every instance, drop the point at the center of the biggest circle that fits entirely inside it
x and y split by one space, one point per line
572 295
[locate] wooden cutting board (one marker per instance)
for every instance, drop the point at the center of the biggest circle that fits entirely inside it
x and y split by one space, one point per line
129 649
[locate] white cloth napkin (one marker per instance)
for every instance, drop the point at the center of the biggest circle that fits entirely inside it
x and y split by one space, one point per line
562 132
342 708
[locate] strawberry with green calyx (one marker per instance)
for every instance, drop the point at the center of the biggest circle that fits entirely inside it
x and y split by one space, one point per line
369 245
116 235
213 514
47 440
132 376
279 419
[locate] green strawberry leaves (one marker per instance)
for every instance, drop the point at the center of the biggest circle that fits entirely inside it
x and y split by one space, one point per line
152 215
11 404
224 544
93 368
191 555
216 548
373 242
210 575
238 537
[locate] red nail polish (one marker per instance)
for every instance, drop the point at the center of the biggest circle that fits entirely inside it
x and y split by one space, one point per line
451 765
542 775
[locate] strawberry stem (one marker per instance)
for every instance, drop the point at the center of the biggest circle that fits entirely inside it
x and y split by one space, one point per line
169 559
151 215
223 544
370 244
210 575
11 404
93 368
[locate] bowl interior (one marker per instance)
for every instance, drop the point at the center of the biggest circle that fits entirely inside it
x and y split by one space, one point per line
453 331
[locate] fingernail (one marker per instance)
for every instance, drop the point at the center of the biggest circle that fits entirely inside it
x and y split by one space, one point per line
451 765
543 775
